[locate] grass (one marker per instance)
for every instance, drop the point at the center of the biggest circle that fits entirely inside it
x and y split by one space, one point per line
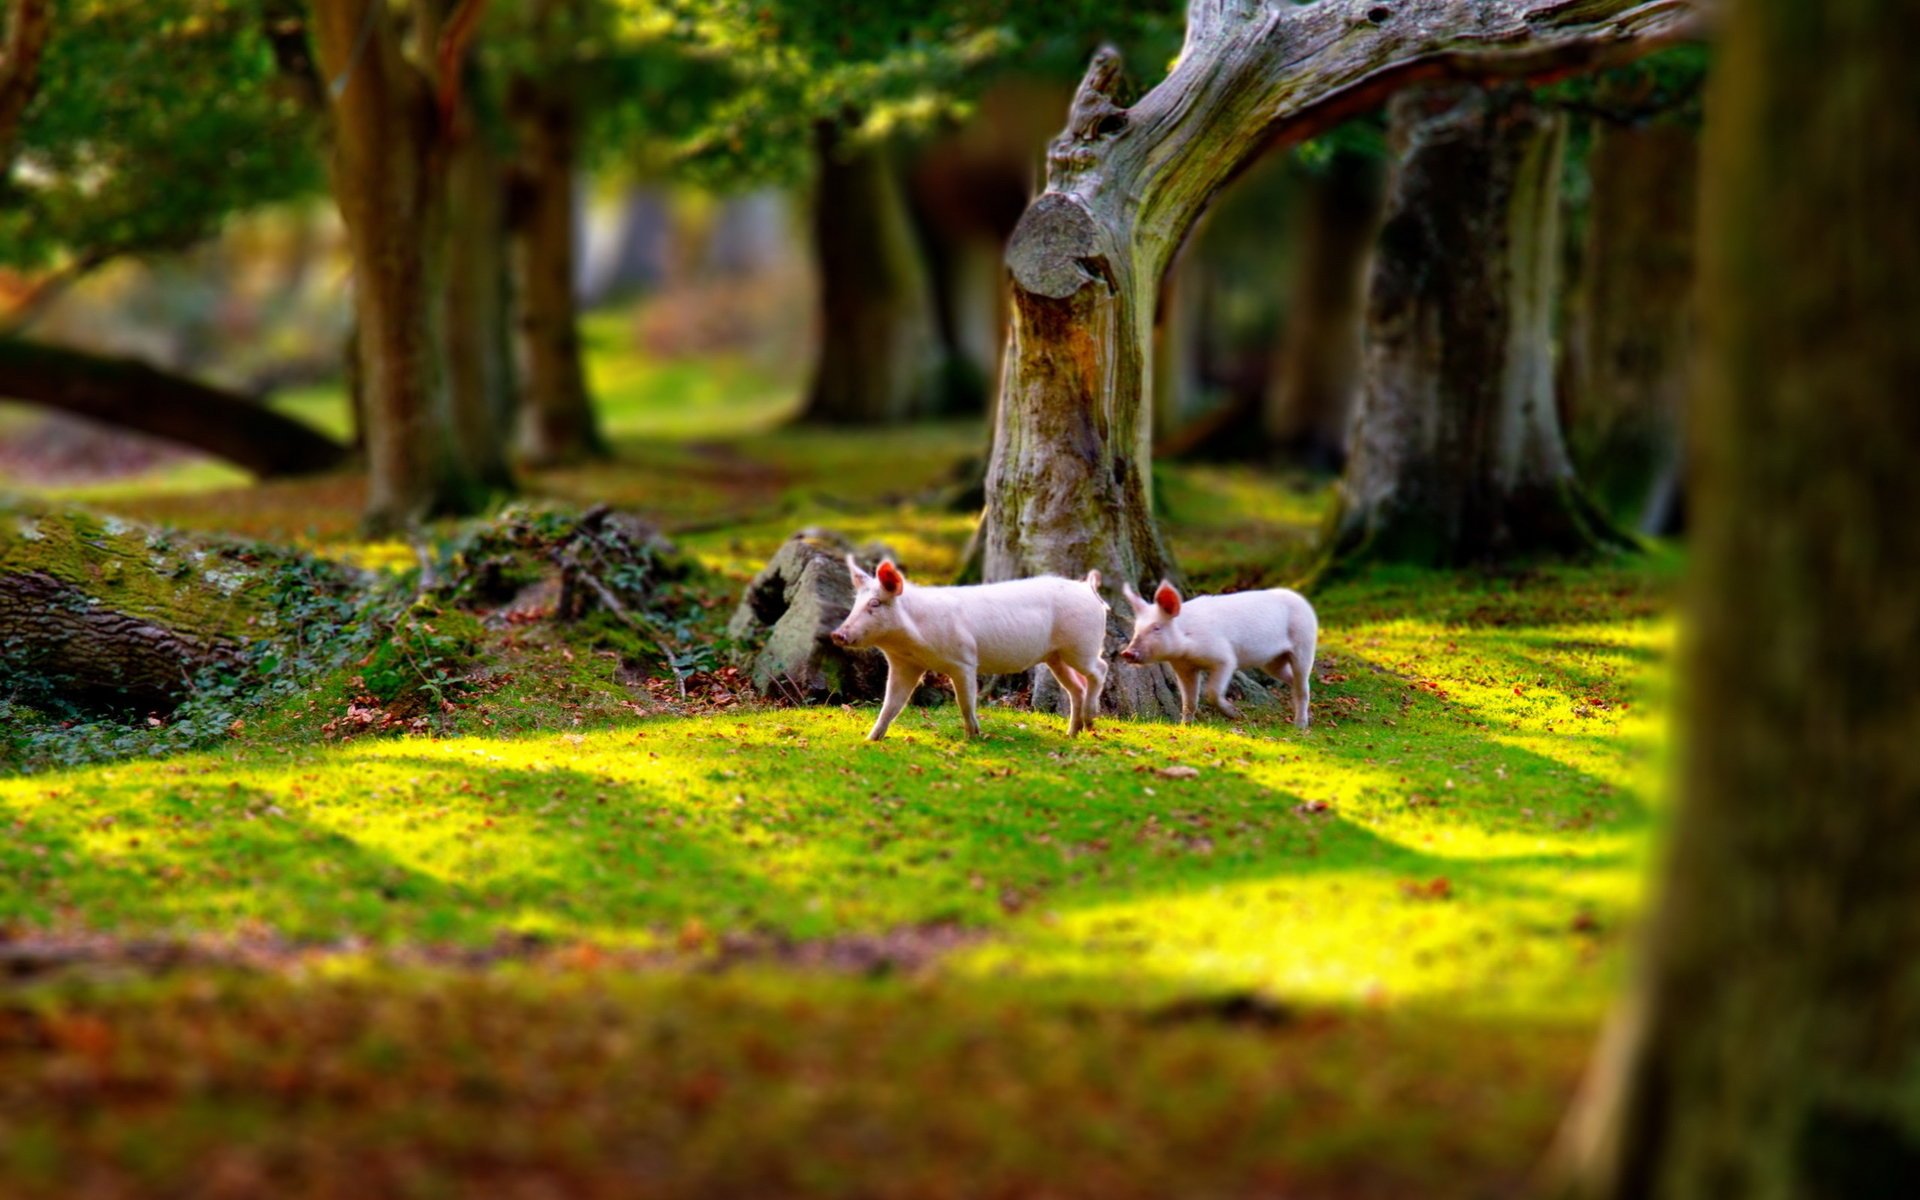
571 949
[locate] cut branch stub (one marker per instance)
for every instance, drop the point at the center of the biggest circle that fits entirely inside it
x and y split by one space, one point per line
1058 248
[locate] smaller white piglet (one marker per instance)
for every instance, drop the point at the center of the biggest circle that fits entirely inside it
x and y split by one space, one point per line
988 628
1274 630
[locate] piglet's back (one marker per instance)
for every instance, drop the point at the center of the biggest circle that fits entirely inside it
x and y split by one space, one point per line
1255 625
1017 623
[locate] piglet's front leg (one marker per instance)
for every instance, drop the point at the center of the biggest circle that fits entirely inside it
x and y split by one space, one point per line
1188 677
901 680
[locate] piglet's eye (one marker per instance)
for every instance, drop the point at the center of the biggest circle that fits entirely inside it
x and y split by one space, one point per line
873 606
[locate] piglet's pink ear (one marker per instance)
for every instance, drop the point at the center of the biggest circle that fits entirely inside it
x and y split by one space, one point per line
1167 599
891 580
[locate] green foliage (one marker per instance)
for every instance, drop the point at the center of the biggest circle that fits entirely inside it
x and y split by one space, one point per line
154 120
1668 86
883 71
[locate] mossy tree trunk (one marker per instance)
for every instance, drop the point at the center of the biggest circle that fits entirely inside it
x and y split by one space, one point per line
1458 455
98 613
1317 372
1775 1050
880 360
557 419
389 180
1067 488
1632 329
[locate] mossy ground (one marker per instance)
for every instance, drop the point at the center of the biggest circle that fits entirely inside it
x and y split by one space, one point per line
567 945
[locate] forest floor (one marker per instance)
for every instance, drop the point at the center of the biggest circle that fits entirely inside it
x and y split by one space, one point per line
585 937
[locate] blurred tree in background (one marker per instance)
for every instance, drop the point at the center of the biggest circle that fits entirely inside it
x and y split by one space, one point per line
1770 1047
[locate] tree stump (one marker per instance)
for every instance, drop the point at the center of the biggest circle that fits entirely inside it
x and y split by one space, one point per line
797 599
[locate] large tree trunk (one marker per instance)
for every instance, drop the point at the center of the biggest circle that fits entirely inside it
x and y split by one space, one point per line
481 384
1067 488
1777 1047
1179 347
1457 455
129 394
880 360
1631 336
1317 373
388 177
557 419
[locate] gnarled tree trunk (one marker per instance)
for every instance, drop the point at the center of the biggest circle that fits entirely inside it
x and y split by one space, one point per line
388 178
1317 373
1067 489
1457 454
557 419
129 394
1776 1049
880 361
1631 335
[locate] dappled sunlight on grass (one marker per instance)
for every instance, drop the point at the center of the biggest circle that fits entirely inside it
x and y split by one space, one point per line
1436 836
1240 956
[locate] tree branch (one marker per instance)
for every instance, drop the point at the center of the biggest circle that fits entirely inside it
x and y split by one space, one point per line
1254 76
130 394
451 59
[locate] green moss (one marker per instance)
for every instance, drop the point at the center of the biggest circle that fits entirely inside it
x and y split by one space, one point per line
182 582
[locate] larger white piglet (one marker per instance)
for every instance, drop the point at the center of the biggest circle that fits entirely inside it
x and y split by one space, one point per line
1274 630
985 629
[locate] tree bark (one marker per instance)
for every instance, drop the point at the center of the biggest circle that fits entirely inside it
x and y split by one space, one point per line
29 24
880 360
107 615
1458 456
481 384
388 179
557 419
1179 346
1631 335
129 394
1776 1047
1317 373
1067 489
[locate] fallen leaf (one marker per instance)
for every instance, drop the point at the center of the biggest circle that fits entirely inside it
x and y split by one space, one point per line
1177 773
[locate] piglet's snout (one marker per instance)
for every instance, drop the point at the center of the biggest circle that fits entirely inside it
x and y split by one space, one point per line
1130 655
839 637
